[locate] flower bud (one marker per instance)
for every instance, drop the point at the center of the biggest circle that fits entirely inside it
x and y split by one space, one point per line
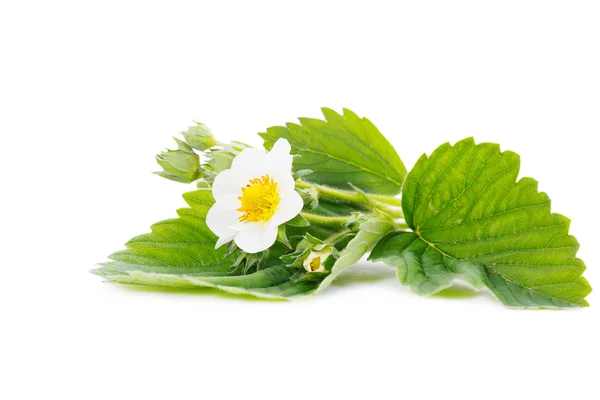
313 254
199 137
315 261
218 160
181 165
310 197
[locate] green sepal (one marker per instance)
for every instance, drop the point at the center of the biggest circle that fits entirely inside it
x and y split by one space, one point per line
202 184
299 221
309 244
282 237
302 173
310 198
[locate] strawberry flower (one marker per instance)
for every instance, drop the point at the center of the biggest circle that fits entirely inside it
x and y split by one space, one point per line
254 197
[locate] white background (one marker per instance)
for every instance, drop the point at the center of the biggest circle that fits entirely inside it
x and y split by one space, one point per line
90 91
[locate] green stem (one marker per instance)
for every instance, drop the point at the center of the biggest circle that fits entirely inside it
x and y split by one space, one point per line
373 201
389 200
337 236
394 212
324 220
348 196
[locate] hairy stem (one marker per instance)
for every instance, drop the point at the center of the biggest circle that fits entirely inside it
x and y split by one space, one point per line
388 204
325 221
337 236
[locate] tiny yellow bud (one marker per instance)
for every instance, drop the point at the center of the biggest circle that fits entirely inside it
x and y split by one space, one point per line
315 260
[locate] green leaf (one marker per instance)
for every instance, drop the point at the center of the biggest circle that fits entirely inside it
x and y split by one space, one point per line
184 242
422 267
473 221
180 253
342 151
270 283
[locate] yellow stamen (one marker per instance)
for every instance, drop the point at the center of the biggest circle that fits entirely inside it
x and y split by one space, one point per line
260 199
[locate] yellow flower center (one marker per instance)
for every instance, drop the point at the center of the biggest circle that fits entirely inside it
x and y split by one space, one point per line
315 264
260 198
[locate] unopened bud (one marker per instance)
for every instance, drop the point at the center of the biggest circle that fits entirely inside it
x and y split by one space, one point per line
181 165
219 160
199 137
315 262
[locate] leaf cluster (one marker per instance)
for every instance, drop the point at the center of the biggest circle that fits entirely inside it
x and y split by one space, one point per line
464 214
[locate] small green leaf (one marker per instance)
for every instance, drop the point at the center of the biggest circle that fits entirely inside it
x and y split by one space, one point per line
473 221
342 151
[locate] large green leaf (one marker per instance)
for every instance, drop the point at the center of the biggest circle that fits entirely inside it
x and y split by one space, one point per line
270 283
180 253
181 245
342 151
473 221
274 282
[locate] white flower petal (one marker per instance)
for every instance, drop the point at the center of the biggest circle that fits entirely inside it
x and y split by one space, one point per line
284 179
220 219
281 170
281 146
280 155
224 240
251 163
223 217
227 186
290 205
257 237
